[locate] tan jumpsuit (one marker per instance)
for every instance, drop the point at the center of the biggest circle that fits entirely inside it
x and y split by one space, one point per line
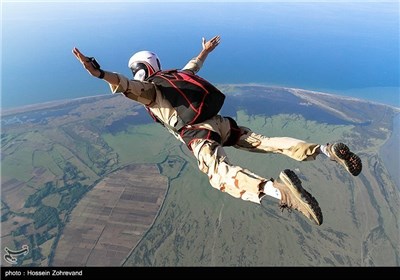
206 140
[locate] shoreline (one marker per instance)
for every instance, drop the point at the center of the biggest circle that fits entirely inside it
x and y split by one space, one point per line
51 104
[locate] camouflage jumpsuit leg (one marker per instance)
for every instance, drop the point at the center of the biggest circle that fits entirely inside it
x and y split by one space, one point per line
235 180
206 141
224 176
291 147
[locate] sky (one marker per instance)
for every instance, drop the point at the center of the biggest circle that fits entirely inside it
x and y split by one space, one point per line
347 48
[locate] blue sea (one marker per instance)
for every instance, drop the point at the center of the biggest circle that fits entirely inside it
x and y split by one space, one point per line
345 48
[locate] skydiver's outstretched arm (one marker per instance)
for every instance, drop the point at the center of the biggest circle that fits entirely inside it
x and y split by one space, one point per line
109 77
196 63
142 92
208 47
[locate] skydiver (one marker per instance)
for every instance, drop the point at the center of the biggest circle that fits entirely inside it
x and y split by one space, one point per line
206 139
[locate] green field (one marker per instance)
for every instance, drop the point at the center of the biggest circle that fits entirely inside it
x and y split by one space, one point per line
47 167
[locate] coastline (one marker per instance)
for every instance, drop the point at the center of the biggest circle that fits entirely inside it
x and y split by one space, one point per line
51 104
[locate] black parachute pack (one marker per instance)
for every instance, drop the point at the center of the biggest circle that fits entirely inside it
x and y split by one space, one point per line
194 98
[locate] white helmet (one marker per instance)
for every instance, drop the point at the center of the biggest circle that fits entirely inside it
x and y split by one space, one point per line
144 64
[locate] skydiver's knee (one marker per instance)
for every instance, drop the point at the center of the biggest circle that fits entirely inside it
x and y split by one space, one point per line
206 152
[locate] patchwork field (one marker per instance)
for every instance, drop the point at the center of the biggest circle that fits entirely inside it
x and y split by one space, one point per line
110 220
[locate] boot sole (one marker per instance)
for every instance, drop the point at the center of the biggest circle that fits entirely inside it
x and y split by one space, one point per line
307 200
349 160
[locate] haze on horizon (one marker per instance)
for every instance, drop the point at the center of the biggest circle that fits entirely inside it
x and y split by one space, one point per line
336 47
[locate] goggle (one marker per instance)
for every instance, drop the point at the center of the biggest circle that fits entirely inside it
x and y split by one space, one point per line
136 66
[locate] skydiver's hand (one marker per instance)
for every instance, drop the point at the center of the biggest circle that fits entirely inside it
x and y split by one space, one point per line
209 46
86 63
